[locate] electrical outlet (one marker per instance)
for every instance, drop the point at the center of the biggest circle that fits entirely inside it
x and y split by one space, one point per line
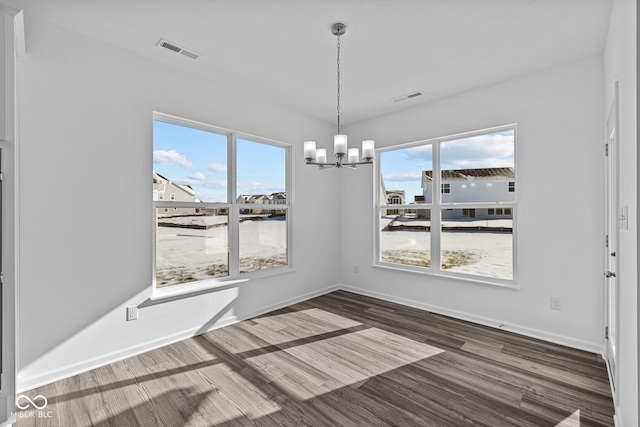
132 313
556 303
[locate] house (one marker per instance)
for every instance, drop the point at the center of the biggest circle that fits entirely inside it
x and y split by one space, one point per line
278 198
167 190
395 197
474 185
243 199
81 84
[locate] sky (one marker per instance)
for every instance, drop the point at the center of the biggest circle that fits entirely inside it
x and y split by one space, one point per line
402 169
198 158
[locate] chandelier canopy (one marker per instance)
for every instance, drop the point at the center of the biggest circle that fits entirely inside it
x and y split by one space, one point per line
345 157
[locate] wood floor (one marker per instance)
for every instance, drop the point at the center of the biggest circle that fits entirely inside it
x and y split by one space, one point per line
340 360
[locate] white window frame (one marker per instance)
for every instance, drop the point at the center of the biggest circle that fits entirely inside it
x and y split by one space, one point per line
233 209
436 206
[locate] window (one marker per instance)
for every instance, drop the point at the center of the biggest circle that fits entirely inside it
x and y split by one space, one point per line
201 234
512 186
470 237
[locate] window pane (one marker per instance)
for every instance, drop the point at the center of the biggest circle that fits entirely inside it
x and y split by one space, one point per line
405 236
263 239
474 243
261 172
191 245
405 174
188 164
479 168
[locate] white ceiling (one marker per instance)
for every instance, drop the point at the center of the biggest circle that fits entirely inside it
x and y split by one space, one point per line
283 50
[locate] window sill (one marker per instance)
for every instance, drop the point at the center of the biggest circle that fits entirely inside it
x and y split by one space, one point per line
190 290
505 284
177 292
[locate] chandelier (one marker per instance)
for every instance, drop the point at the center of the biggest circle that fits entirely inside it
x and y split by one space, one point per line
318 157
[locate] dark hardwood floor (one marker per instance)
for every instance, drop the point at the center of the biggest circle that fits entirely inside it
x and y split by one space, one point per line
340 360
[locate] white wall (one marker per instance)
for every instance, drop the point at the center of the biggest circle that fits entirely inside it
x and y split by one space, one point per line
620 64
86 121
559 113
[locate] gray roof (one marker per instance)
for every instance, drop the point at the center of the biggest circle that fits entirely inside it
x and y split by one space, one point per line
474 174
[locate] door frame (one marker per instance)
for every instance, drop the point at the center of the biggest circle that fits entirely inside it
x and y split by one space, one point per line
611 246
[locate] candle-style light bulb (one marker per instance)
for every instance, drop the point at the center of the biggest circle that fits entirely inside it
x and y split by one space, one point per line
309 150
368 147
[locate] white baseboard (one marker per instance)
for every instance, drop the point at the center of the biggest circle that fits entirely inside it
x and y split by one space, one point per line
616 421
43 378
494 323
48 377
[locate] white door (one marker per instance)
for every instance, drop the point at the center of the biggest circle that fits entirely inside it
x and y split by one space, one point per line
611 238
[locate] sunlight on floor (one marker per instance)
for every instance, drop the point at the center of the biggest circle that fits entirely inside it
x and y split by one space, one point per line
572 420
309 370
261 332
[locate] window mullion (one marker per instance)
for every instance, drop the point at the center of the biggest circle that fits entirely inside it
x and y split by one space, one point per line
234 212
436 211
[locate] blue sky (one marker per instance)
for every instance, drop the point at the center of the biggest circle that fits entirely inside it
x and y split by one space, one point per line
402 169
198 158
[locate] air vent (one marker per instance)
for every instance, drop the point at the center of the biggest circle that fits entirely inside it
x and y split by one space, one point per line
178 49
408 96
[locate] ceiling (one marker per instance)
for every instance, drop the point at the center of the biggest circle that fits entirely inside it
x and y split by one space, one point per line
283 50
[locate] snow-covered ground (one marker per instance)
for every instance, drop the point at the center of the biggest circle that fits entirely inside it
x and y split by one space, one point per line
191 254
475 252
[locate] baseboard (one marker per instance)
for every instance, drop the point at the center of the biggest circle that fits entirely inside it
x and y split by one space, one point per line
494 323
616 421
28 383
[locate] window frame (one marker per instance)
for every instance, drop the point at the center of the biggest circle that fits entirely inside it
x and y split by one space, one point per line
233 209
437 206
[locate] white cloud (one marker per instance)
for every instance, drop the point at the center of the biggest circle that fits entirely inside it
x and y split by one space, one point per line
202 183
258 188
217 167
198 176
483 151
171 157
406 176
393 187
423 152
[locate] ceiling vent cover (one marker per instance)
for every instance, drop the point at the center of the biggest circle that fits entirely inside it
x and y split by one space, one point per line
178 49
411 95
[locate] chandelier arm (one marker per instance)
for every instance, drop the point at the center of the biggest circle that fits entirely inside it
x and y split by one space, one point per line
357 163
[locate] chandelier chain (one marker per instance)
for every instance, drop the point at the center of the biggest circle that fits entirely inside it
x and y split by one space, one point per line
338 63
345 157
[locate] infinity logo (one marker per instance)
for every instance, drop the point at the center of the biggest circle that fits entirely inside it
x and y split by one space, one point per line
32 402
